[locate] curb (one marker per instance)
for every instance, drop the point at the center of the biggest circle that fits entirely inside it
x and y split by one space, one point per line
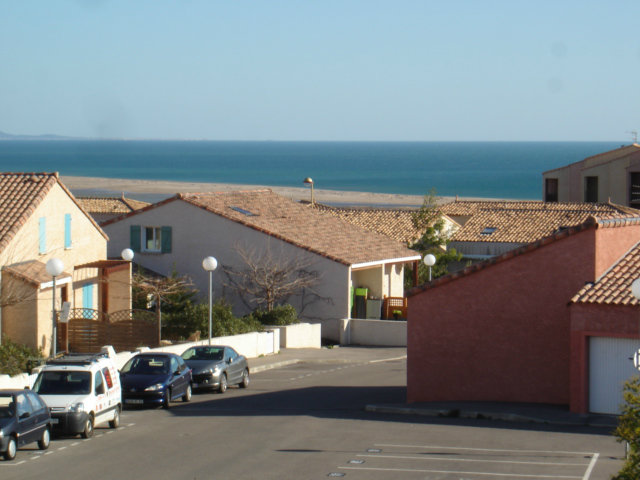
269 366
470 414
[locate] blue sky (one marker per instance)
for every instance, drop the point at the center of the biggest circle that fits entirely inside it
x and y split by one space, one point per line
321 70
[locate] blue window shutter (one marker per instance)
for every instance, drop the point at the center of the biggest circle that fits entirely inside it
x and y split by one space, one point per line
42 235
166 240
135 238
87 299
67 230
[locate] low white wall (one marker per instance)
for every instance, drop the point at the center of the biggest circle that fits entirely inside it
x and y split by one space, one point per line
383 333
300 335
251 345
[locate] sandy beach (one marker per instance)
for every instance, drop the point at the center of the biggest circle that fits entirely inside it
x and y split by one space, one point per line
155 190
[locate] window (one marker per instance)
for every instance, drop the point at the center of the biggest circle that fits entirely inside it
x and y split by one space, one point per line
551 190
150 239
488 230
42 235
67 230
98 383
591 189
634 190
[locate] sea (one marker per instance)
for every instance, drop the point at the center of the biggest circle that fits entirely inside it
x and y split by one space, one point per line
510 170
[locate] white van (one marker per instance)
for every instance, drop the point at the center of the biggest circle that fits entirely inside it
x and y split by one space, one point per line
82 391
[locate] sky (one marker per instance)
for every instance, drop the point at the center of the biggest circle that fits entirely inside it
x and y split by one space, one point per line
334 70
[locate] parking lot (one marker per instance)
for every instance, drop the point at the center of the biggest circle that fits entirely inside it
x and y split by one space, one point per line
307 421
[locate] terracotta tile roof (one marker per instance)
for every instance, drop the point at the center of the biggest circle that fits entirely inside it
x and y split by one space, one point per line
114 205
394 223
299 225
605 157
524 222
591 222
614 287
20 195
34 272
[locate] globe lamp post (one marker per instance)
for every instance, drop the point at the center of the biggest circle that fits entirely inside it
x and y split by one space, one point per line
54 268
210 264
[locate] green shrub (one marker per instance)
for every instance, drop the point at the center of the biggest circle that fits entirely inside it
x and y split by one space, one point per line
628 430
181 325
16 358
280 315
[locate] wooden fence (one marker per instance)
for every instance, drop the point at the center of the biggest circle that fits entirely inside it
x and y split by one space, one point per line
88 330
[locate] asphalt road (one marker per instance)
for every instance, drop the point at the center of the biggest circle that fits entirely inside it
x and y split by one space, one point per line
307 421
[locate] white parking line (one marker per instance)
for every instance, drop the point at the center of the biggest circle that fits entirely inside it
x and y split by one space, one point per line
458 472
483 449
592 464
571 458
448 459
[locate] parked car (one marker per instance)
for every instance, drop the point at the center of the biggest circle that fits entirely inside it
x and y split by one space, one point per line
82 391
24 418
217 367
155 379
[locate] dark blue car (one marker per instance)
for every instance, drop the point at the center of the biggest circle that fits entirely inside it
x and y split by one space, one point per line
24 418
155 379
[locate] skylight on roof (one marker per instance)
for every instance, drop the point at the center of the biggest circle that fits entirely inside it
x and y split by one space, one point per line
488 230
243 211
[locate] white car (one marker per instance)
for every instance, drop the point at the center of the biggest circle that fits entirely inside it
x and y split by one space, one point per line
82 391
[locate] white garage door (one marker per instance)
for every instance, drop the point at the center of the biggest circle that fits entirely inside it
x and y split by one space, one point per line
609 368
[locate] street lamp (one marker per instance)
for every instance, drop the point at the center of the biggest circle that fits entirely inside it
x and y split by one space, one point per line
210 264
54 268
309 181
429 260
127 254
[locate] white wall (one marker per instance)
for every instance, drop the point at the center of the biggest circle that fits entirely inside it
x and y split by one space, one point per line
387 333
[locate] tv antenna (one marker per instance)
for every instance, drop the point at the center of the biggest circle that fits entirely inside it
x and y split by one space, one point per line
634 135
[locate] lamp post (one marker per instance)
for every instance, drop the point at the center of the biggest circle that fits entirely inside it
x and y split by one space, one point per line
210 264
54 268
429 260
127 254
309 181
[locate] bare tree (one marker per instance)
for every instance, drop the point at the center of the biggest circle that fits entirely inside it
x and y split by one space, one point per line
269 279
160 290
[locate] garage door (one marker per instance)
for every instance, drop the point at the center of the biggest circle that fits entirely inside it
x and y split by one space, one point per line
609 368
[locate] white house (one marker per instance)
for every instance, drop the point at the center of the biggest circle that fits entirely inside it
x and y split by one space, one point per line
181 231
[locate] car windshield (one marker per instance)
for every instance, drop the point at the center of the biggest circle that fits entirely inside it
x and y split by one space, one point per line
63 383
147 365
7 406
207 353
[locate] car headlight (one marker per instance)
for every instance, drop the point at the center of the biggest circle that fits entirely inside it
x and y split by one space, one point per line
78 407
1 434
154 388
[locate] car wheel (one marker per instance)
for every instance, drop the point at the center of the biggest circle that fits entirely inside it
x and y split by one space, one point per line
187 394
45 439
244 383
223 383
88 427
115 422
10 452
167 399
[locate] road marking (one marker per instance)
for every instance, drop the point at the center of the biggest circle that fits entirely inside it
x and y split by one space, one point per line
484 449
448 459
61 448
592 464
403 357
456 472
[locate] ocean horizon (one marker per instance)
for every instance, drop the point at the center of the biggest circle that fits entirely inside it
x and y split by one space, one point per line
509 170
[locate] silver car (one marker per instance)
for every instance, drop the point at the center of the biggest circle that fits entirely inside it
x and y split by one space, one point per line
216 367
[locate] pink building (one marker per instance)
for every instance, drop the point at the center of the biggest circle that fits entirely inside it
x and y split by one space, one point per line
502 330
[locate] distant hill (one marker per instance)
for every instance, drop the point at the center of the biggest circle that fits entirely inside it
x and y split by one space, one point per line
7 137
